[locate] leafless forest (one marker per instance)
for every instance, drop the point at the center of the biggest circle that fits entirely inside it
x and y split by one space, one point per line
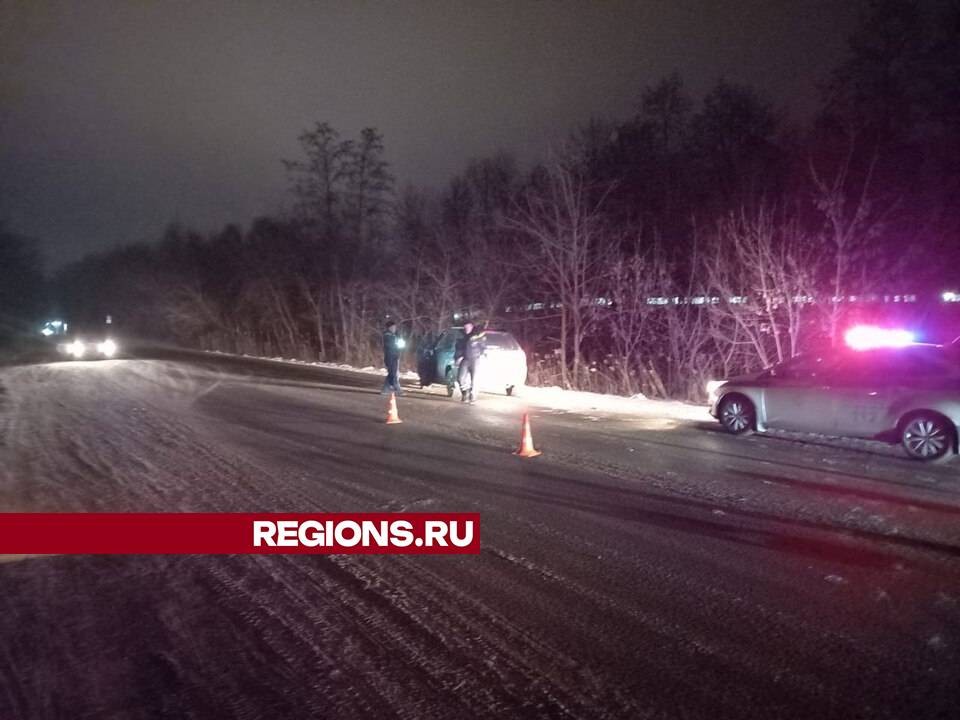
702 237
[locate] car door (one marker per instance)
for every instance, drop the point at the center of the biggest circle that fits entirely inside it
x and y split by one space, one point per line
443 354
426 364
796 394
861 390
871 387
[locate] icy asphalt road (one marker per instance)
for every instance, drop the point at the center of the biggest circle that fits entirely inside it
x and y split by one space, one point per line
642 567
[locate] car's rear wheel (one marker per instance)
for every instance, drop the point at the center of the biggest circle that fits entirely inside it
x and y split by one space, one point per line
737 415
927 436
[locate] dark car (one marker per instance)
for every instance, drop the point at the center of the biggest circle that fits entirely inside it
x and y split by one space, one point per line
503 367
89 344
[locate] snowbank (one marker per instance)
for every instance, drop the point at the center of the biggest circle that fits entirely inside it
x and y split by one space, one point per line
559 399
577 400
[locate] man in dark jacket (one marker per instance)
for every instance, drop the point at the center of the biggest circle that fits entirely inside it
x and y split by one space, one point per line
392 347
469 350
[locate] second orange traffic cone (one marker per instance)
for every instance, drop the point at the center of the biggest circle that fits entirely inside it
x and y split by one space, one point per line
526 449
393 417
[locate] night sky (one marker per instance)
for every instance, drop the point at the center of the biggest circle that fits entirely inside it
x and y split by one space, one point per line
117 118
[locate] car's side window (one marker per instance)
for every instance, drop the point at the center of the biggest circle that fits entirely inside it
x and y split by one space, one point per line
884 370
447 341
804 368
921 368
847 372
928 367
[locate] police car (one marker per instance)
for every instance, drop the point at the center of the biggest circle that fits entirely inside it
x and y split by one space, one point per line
894 391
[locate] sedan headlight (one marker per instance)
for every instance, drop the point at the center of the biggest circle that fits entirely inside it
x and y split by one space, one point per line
713 386
107 348
77 349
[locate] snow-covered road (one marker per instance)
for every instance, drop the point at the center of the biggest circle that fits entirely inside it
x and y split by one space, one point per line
646 565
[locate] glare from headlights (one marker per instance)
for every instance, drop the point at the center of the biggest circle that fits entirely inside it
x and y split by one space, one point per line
77 349
107 348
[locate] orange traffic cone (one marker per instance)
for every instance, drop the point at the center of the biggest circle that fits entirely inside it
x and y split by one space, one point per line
393 417
526 448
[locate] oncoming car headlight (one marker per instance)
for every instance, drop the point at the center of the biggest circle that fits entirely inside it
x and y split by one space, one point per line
107 348
77 349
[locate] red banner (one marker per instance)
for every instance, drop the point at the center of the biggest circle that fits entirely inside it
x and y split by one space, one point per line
238 533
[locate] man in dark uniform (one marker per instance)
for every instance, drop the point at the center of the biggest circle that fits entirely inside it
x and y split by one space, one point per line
470 348
392 347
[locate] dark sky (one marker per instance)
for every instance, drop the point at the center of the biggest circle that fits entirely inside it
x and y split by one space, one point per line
119 117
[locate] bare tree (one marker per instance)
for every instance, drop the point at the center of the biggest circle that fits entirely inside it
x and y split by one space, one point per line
851 221
567 247
369 195
632 280
318 180
344 192
761 268
682 335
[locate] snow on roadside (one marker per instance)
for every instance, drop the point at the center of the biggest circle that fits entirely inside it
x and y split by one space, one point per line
578 400
559 398
368 370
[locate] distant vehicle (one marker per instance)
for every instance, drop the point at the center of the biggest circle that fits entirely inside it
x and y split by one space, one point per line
54 328
503 367
908 394
93 344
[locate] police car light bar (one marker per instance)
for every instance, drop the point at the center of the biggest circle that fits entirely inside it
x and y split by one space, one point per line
867 337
